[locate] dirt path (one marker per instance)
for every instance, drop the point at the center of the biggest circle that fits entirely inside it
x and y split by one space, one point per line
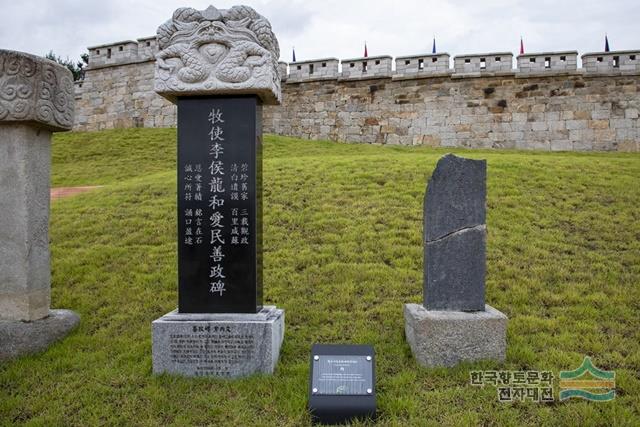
60 192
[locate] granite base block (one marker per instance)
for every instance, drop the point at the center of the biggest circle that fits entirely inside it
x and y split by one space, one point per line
18 338
218 345
446 338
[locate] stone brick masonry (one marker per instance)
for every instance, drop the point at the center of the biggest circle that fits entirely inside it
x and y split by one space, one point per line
570 112
552 106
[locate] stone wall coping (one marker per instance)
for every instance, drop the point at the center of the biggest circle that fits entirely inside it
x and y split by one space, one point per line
561 52
612 53
424 55
147 38
363 77
310 61
308 79
119 64
609 73
421 75
368 58
548 73
113 44
489 54
483 74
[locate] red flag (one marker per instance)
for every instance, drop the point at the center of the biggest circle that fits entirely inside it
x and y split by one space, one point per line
521 46
366 54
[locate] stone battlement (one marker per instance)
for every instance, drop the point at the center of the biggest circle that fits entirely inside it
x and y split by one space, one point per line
467 65
124 52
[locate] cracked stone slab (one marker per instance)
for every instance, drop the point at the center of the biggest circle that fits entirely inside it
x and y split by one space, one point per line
455 271
455 235
456 196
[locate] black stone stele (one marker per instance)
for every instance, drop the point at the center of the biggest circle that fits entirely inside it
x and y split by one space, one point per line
219 204
342 383
455 235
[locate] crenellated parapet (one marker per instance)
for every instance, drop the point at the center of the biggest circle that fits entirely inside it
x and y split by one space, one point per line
124 52
464 66
146 49
611 62
496 62
548 62
426 64
367 67
318 69
403 67
113 53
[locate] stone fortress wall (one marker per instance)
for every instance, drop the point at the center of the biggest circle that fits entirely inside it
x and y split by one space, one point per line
545 103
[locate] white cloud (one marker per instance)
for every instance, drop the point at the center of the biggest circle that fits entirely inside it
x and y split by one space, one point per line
339 27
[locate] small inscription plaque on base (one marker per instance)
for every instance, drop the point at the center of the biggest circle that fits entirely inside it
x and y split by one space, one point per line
342 383
342 374
218 345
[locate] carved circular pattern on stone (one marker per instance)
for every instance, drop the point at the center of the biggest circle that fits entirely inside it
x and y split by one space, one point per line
45 113
8 90
12 64
35 90
20 109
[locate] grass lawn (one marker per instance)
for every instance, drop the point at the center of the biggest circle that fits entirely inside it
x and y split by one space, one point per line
342 254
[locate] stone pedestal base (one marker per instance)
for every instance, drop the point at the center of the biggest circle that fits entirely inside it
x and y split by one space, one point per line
218 345
446 338
18 338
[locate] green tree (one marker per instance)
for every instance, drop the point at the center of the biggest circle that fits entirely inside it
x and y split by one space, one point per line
76 68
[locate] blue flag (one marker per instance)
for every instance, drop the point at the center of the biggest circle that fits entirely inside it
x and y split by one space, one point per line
606 43
433 50
294 54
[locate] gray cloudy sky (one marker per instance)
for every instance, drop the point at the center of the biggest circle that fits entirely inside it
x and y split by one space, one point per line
328 28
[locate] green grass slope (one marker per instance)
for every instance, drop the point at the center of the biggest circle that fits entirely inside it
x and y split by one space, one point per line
342 254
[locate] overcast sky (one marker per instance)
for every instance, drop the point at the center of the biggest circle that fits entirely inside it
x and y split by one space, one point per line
339 28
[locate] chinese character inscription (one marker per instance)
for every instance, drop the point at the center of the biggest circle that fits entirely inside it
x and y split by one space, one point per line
219 205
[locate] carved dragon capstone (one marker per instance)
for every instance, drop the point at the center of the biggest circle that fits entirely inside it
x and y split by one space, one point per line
217 52
35 90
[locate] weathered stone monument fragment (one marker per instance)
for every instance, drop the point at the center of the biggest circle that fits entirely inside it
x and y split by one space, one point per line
36 99
454 324
219 67
454 235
